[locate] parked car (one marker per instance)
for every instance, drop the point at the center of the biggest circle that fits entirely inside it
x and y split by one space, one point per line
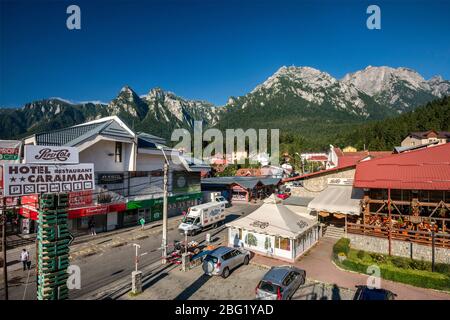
224 259
283 195
280 283
366 293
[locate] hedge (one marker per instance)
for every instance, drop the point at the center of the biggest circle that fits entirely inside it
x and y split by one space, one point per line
402 269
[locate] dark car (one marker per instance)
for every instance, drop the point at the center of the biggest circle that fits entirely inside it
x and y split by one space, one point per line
280 283
366 293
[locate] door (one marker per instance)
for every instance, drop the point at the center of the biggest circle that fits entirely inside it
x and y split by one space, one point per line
288 284
111 221
236 258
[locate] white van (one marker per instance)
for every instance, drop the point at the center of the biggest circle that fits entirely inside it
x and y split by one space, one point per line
202 216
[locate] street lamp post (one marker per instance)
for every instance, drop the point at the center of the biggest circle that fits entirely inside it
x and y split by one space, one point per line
3 226
164 232
301 162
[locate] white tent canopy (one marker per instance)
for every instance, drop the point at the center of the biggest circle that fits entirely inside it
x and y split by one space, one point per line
338 199
273 218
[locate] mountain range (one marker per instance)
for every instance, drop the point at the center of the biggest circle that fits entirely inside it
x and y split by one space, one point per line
301 99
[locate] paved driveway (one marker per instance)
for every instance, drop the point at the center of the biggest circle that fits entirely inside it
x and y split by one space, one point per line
318 265
240 285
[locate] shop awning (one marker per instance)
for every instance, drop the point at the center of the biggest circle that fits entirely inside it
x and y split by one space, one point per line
338 199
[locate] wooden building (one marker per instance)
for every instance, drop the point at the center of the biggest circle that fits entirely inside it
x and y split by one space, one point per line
406 197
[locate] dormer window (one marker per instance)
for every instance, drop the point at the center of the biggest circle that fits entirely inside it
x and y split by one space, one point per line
118 152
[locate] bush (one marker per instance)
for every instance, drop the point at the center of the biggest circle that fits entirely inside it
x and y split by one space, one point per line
360 254
416 278
342 245
442 268
420 265
378 258
400 262
400 270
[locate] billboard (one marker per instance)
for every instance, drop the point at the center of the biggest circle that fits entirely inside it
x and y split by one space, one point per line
29 179
185 182
51 154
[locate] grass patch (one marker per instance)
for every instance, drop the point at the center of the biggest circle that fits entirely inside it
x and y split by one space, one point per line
414 272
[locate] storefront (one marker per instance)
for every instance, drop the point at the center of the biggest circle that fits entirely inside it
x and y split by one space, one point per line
151 209
275 231
242 189
338 203
239 193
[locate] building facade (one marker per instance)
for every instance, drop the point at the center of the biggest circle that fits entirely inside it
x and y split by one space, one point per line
128 176
425 137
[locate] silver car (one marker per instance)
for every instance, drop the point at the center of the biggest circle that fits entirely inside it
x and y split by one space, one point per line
280 283
224 259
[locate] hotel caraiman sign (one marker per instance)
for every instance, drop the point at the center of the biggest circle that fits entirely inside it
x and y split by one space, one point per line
29 179
51 154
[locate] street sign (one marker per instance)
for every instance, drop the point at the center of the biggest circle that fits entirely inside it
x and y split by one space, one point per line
28 179
51 154
10 151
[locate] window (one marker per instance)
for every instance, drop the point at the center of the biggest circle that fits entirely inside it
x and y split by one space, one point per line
283 243
235 253
287 281
118 152
227 256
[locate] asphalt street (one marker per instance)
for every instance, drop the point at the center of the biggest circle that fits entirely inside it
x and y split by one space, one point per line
106 271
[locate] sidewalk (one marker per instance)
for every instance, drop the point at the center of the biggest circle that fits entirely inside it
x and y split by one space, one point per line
87 245
319 266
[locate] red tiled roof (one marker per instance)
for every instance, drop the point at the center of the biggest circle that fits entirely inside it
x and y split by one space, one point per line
430 133
248 172
350 158
308 175
345 160
424 169
338 152
318 158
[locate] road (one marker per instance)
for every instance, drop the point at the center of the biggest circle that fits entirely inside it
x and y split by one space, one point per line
114 265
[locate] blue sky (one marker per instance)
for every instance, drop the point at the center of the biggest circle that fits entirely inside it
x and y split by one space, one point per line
206 49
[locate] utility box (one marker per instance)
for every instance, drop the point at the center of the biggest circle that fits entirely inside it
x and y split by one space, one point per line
208 238
136 282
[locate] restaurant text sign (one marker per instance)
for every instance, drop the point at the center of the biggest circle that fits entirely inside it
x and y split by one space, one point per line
340 181
27 179
51 154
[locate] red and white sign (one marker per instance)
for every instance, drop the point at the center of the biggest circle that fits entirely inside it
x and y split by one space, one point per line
74 213
51 154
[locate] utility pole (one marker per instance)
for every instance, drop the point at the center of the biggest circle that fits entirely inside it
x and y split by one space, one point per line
164 231
136 275
136 260
433 239
390 222
5 264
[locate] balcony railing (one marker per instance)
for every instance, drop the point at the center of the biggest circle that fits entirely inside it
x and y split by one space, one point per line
441 239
